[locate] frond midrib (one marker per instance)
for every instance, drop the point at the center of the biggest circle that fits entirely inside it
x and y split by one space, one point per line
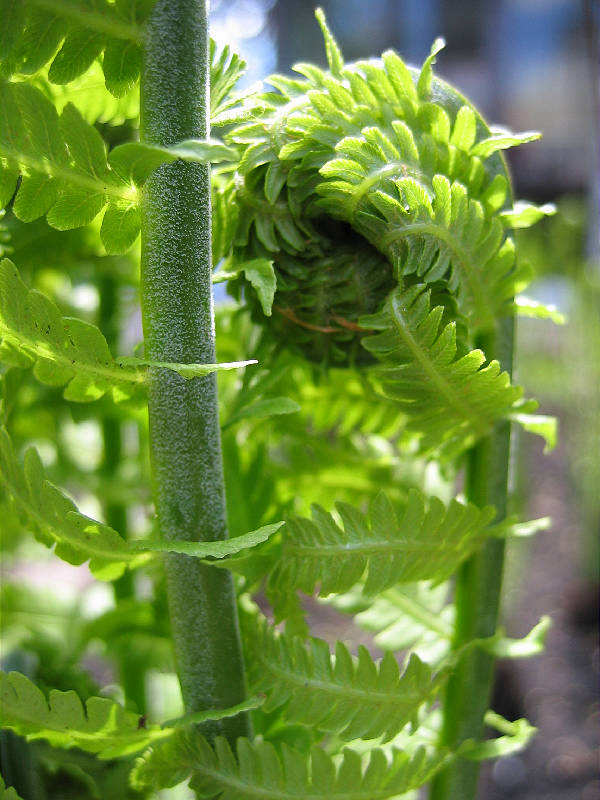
90 19
464 411
73 176
391 698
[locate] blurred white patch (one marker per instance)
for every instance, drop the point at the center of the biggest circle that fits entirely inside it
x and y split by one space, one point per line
85 297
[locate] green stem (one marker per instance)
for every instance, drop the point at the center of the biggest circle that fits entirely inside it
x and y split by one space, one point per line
115 513
477 597
178 324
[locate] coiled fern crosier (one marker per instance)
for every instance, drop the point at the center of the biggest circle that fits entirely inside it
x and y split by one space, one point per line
378 196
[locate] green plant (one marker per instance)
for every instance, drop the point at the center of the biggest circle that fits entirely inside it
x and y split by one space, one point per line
361 218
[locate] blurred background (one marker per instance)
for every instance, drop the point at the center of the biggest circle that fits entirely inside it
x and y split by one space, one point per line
527 64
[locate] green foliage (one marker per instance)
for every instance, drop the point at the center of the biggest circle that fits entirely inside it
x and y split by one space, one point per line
426 542
225 71
450 400
261 772
101 727
62 161
55 519
65 350
362 221
353 698
209 550
415 616
70 36
8 794
64 170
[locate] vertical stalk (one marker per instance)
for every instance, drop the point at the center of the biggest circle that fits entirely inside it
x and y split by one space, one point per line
477 596
178 324
115 513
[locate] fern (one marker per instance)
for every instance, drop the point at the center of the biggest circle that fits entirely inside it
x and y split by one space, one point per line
101 726
450 401
414 616
427 542
55 519
414 170
353 699
64 165
70 35
226 68
8 794
362 218
260 772
65 350
64 168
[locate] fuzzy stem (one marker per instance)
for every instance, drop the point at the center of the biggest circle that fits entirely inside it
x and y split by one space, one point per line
477 596
178 324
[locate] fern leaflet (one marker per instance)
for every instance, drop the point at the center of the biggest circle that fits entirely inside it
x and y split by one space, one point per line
427 542
8 794
261 773
65 173
55 519
101 726
351 698
450 401
71 35
65 350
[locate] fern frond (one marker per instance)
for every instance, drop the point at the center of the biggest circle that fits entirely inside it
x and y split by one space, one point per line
55 519
427 542
261 773
69 351
70 35
64 169
436 234
88 93
100 726
353 698
450 400
391 159
226 69
415 616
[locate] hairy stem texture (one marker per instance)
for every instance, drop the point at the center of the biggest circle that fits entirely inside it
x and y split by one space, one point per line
178 324
477 596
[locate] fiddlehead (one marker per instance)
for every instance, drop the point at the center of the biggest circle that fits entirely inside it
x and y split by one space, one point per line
368 186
